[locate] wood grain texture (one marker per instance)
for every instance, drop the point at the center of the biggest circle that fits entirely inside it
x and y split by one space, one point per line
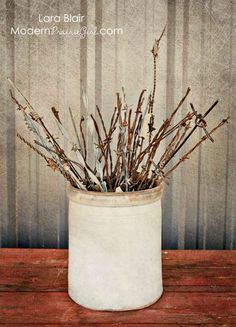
41 270
198 50
58 307
199 289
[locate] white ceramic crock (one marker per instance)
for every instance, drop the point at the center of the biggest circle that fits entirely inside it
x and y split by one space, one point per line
115 249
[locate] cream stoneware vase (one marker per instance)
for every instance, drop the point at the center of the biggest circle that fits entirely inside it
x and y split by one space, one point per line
115 249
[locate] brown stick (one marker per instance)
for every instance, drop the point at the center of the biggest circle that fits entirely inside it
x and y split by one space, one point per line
47 159
161 132
83 137
108 148
185 156
101 146
192 131
32 147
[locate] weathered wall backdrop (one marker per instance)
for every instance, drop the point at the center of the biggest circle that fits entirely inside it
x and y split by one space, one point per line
198 50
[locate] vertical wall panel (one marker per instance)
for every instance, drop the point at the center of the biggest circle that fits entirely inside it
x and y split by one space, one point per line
83 55
205 44
120 45
178 190
181 194
11 237
191 77
109 65
98 53
61 202
45 99
159 17
3 134
33 188
22 74
230 220
91 85
213 160
108 60
170 240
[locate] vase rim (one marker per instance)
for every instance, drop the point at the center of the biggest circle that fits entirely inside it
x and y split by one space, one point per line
114 199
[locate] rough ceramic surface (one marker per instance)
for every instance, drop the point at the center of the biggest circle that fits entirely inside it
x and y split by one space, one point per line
115 251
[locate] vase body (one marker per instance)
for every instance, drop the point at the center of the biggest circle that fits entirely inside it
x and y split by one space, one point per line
115 249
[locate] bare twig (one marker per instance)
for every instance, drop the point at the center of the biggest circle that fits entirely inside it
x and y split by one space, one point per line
75 128
186 155
83 137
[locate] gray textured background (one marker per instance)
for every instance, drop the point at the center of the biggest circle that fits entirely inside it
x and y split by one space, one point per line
198 50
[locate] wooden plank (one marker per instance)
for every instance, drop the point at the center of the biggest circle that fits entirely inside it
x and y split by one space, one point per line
190 291
39 279
125 325
94 324
57 307
45 279
46 270
200 258
58 257
32 257
195 276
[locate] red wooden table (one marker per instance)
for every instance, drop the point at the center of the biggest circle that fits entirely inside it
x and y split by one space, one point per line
200 289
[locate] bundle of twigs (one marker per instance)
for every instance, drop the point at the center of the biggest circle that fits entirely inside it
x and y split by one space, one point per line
131 163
